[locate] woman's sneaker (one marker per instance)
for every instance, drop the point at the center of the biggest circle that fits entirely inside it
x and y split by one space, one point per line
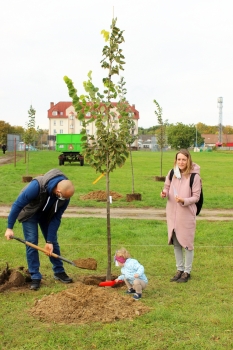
184 278
177 276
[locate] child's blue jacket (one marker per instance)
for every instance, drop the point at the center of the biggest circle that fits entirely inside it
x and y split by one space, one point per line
131 267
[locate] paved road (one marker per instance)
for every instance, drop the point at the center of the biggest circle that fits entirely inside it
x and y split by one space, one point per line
136 213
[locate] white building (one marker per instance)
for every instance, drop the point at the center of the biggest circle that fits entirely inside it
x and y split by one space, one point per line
63 120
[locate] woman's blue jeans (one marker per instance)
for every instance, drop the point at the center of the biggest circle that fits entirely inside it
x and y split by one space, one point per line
30 230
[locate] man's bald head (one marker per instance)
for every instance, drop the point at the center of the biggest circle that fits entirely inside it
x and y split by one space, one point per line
65 189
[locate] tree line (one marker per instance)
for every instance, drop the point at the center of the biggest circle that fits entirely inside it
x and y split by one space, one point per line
29 134
202 129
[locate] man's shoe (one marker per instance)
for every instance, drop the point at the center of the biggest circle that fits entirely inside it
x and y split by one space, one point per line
130 291
62 276
177 276
137 296
184 278
35 284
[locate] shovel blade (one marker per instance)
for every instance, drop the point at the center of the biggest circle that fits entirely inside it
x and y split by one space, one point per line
89 263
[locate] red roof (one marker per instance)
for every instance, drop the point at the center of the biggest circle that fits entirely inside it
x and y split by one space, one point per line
61 108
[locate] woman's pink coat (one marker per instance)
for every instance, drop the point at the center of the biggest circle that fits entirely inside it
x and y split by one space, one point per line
182 217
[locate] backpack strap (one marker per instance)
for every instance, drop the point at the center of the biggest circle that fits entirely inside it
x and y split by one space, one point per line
192 179
171 174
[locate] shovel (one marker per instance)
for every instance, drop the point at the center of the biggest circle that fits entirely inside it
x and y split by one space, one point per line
89 263
109 283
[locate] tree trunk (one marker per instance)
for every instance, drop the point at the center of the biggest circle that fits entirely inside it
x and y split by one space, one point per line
131 162
108 275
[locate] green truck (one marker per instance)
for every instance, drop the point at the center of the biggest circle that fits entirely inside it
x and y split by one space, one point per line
71 147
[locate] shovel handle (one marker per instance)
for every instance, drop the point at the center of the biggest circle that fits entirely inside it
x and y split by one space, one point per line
41 249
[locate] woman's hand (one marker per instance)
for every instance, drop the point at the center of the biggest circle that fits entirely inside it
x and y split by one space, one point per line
163 194
179 200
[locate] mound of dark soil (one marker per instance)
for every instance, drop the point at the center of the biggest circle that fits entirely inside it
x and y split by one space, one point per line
10 278
81 302
101 196
86 304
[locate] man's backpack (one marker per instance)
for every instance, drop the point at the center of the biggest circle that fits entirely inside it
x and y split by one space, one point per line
201 199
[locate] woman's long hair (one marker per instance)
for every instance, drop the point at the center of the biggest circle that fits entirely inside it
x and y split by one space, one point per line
189 167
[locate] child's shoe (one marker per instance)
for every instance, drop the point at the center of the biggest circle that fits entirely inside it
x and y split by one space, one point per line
130 291
137 296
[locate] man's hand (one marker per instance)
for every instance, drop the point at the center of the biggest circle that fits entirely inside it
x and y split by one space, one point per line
9 232
49 248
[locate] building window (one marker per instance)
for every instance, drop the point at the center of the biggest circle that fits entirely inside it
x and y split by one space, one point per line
54 122
88 114
88 132
71 126
61 113
54 131
71 116
81 123
54 112
61 122
61 131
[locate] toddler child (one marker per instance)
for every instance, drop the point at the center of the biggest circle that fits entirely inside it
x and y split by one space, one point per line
132 272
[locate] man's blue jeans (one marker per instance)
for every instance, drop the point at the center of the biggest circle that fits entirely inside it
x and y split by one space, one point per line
30 230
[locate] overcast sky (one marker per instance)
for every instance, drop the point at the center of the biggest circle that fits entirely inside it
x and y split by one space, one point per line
177 52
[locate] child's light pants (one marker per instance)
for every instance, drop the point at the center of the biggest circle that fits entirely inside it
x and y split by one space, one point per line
138 285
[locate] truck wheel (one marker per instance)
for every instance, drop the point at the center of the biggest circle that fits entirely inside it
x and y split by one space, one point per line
61 162
82 162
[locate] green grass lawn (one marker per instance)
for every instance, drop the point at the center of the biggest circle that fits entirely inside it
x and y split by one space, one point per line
216 170
194 315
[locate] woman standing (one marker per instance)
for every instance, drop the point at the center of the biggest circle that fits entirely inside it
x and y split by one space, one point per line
181 212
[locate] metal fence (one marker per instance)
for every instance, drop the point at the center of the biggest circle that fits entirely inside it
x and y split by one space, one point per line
12 140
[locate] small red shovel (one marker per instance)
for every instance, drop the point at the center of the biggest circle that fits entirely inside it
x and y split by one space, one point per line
109 283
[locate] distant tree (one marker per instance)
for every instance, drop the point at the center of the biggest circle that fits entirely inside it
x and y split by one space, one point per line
141 131
206 129
182 136
5 128
19 130
130 136
228 129
30 131
161 135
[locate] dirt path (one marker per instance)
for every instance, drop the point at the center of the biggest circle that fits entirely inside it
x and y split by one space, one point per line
133 213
